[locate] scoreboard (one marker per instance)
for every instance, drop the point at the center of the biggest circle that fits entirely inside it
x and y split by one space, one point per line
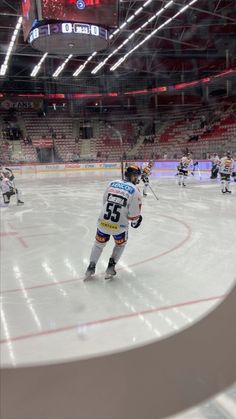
98 12
29 15
103 12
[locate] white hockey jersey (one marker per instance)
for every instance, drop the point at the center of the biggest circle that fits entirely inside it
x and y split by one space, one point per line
226 165
186 163
121 203
215 160
6 185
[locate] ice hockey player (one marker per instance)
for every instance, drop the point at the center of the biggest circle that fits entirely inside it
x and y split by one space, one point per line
121 204
215 161
226 170
146 171
234 171
8 186
184 166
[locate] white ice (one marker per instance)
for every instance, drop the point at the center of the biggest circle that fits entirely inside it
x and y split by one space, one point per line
175 268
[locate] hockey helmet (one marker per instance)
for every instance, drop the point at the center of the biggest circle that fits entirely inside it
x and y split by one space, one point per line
8 173
132 174
228 154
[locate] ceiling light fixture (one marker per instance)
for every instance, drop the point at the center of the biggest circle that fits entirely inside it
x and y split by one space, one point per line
38 66
82 66
122 59
61 67
136 13
4 66
158 13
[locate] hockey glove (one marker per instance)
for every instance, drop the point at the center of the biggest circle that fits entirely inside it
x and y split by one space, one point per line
136 224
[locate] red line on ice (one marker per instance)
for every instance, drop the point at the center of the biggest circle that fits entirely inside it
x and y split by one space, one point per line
69 281
40 234
109 319
14 233
8 233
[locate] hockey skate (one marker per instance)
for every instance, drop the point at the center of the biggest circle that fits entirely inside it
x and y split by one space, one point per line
19 202
227 191
110 272
144 194
90 271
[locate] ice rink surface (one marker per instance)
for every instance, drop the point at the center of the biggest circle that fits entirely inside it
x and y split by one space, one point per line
176 267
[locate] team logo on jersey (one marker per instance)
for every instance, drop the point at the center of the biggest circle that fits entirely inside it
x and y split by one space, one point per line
123 186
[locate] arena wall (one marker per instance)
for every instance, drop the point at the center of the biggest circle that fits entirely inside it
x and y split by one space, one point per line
162 165
153 381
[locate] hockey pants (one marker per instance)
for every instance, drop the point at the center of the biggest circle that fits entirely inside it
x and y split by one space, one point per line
101 241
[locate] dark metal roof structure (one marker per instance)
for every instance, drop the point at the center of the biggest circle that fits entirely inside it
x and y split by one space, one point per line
198 43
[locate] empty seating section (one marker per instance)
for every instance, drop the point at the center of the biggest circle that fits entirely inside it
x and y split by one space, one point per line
28 153
170 133
5 152
36 127
56 126
196 132
64 140
109 145
200 129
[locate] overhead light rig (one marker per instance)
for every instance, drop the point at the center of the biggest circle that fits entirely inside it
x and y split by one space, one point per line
4 66
38 66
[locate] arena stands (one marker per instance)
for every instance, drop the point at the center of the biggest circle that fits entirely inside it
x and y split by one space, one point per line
203 130
179 131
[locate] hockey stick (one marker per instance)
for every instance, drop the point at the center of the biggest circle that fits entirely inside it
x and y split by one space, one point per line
153 192
196 165
194 170
199 173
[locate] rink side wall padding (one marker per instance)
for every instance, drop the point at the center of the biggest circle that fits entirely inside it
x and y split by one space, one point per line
152 381
161 165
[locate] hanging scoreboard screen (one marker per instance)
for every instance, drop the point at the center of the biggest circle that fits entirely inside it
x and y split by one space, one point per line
99 12
29 15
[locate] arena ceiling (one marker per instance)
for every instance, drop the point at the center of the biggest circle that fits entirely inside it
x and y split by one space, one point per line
196 44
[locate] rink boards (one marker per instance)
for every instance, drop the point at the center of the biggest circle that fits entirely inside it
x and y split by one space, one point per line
168 165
